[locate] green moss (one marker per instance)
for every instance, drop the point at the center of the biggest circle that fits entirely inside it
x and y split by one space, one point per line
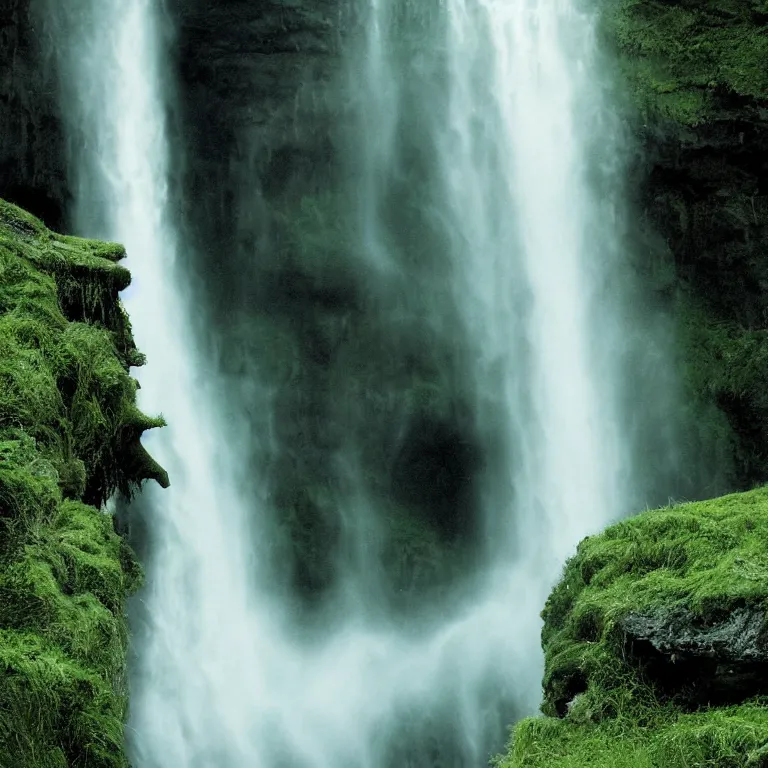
55 713
707 558
681 55
64 361
69 438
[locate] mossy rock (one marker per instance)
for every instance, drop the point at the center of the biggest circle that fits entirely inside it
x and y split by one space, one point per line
69 439
64 364
606 702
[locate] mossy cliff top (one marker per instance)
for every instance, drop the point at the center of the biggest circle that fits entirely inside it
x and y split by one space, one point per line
688 58
69 438
656 645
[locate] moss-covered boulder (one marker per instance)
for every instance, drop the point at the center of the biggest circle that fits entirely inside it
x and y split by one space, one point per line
656 645
69 439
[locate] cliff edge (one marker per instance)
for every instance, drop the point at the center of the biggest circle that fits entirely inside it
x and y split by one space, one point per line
69 439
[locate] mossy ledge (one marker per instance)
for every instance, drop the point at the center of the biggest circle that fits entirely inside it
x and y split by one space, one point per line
69 439
656 645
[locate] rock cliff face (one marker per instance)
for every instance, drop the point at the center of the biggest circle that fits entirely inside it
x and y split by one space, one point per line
697 74
265 112
32 153
69 438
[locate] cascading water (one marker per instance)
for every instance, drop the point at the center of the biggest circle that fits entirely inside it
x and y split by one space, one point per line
536 249
196 600
494 111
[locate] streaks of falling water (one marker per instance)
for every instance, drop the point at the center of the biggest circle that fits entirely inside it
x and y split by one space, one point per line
510 116
196 601
536 247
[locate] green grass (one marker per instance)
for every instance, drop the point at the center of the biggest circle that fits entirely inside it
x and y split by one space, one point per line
55 713
69 438
707 557
734 737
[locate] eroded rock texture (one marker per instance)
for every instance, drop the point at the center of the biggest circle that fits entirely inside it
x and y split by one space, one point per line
720 662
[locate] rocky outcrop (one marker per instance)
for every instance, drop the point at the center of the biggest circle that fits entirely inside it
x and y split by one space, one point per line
69 439
655 644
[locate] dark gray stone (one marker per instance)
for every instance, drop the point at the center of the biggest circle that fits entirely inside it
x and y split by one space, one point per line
700 663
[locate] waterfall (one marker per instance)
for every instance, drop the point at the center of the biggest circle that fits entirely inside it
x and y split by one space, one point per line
490 119
195 603
530 155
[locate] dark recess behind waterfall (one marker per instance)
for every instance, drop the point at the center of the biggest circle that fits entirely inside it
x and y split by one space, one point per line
254 118
264 112
256 127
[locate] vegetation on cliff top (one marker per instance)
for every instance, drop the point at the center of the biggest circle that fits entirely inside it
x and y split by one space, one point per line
683 55
69 438
609 700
